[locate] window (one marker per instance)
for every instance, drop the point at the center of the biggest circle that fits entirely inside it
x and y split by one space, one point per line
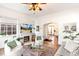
8 29
50 30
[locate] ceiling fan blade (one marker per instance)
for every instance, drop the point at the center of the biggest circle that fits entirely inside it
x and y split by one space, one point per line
43 3
26 3
34 3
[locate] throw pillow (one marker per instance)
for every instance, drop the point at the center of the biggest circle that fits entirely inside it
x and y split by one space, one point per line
75 52
71 46
12 44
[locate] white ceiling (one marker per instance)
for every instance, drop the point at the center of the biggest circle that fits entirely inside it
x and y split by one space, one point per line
47 8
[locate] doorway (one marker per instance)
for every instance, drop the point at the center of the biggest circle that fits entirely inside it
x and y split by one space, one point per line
51 33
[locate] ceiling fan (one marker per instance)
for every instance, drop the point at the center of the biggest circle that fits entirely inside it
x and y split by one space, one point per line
35 6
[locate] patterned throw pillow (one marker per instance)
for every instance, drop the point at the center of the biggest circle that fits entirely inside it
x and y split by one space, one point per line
75 52
12 44
71 46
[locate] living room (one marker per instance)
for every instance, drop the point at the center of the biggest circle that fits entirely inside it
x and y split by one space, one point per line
40 33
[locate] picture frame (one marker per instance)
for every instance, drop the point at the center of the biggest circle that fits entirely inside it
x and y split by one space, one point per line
70 27
25 28
37 28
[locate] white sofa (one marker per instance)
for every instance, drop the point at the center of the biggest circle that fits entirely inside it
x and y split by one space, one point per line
15 51
2 39
71 50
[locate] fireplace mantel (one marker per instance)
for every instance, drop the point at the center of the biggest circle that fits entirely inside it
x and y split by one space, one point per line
25 34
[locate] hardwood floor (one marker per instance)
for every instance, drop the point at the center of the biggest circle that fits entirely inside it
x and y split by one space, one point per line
49 45
1 51
46 50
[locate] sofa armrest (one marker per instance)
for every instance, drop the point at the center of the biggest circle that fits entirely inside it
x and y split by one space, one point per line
62 52
16 51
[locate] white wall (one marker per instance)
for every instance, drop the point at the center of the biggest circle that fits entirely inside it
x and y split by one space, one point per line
67 16
10 16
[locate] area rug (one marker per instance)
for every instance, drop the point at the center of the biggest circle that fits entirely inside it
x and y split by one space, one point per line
45 51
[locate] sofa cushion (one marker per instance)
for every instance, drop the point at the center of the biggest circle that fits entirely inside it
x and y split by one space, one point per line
75 52
71 46
12 44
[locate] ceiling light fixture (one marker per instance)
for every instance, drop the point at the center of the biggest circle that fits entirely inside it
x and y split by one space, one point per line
35 6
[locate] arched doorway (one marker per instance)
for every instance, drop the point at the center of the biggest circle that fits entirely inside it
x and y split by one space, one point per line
51 33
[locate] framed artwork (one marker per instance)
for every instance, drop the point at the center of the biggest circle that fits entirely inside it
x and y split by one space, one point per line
37 28
70 27
26 28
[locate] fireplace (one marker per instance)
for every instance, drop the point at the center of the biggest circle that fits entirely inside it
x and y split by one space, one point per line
26 38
